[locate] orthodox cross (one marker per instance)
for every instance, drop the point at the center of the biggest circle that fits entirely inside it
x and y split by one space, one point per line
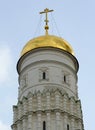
46 11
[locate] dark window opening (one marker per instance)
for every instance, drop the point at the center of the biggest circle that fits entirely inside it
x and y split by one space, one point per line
67 127
44 125
64 78
44 75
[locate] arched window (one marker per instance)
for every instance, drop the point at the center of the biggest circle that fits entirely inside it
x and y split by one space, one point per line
44 75
44 125
65 78
67 127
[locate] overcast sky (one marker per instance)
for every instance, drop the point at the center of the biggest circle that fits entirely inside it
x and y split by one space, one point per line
20 21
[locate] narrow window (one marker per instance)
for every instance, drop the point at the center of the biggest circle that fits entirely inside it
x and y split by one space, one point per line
44 75
67 127
44 125
65 78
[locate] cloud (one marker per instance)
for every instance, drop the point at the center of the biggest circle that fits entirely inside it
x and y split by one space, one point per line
4 126
5 63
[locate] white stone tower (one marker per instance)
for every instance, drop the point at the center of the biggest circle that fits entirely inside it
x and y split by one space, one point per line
48 95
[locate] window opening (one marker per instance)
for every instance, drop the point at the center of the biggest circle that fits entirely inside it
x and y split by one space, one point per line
67 127
44 125
44 75
65 78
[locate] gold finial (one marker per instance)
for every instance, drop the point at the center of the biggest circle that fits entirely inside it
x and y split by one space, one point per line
46 20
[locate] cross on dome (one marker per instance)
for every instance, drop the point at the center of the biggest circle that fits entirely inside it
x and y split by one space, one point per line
46 11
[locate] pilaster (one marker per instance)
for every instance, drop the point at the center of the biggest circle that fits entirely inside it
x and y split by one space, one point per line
65 122
30 102
19 110
19 125
65 102
58 125
24 123
15 113
30 122
57 99
72 123
25 107
80 127
48 100
38 101
48 126
79 109
39 121
71 106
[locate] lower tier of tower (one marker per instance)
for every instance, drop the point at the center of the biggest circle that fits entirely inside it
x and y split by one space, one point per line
50 110
48 121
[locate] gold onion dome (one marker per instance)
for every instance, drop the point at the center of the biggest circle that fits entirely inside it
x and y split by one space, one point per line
47 41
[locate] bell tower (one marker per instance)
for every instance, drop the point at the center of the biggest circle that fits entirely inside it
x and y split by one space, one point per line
48 92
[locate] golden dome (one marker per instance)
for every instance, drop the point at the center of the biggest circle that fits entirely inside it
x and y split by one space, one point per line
47 41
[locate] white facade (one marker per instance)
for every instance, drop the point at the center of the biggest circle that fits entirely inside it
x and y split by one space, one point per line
48 95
